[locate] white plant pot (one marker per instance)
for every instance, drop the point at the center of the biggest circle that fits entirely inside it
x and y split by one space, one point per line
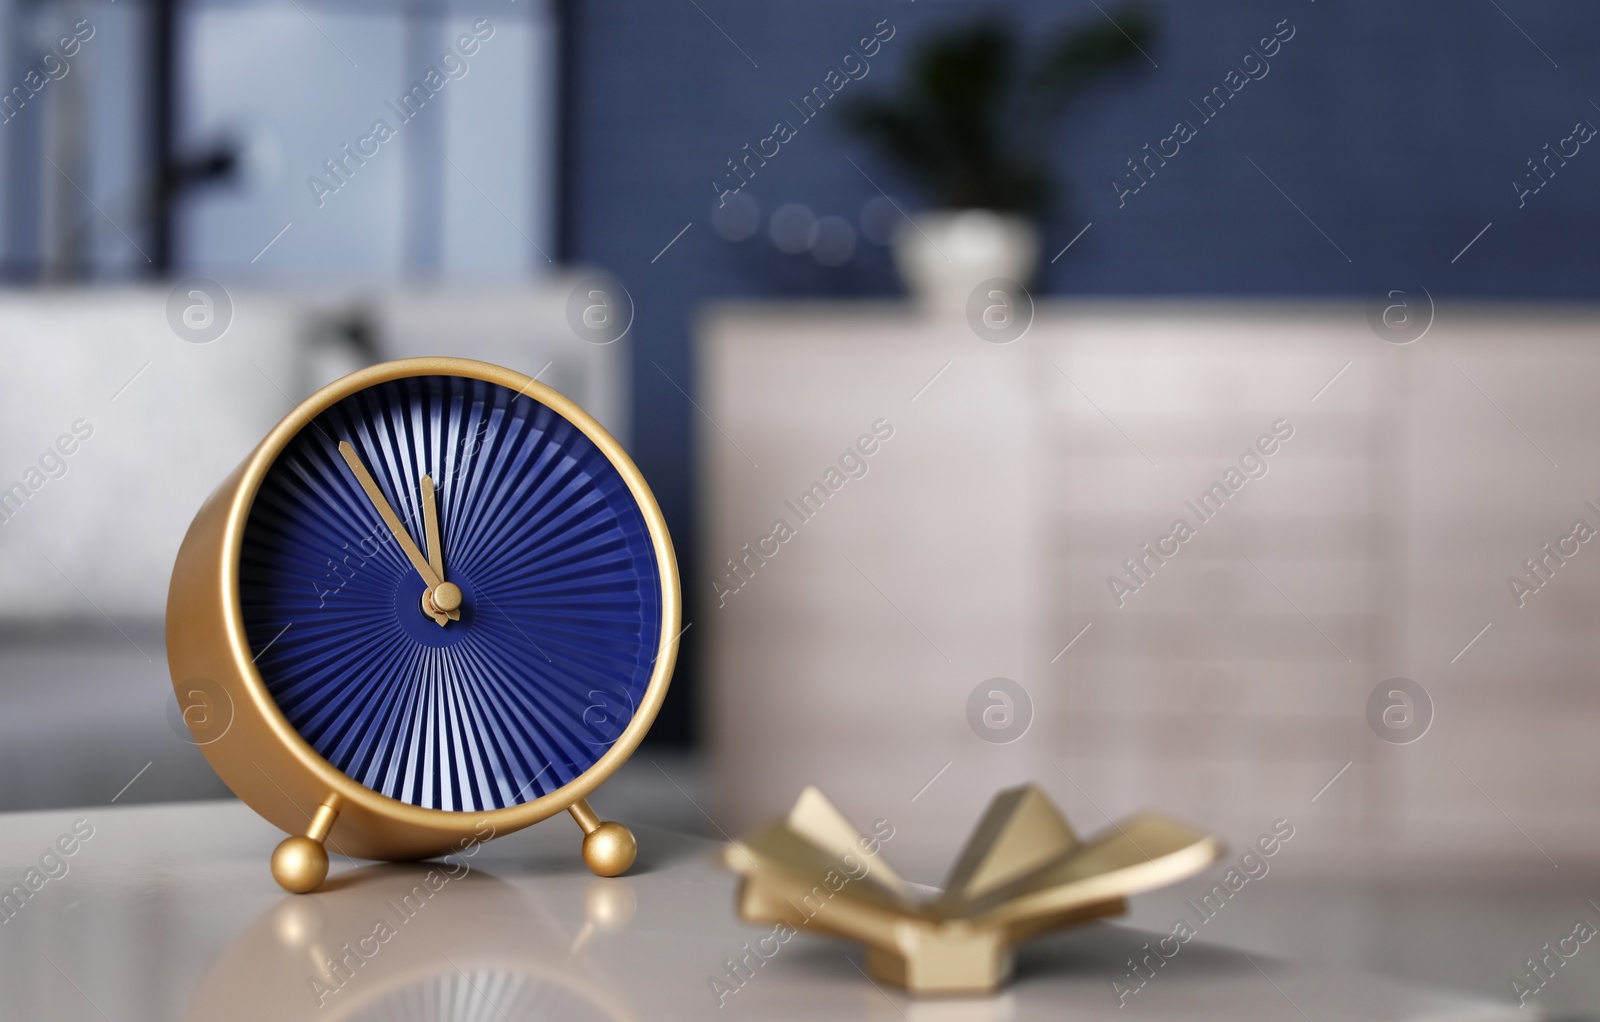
943 255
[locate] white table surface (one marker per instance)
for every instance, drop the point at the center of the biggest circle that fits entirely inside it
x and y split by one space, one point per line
168 912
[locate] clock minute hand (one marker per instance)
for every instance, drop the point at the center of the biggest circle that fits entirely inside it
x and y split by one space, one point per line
392 520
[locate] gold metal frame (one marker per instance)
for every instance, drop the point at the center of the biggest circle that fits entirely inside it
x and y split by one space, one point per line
274 770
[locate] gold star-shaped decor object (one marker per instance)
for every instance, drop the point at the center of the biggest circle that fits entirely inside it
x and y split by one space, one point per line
1023 872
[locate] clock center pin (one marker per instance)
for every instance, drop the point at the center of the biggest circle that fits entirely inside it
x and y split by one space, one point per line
442 598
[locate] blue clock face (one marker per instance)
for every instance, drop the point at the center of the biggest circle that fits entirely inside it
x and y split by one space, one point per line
559 621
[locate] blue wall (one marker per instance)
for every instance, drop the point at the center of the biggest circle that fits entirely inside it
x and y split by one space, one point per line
1397 128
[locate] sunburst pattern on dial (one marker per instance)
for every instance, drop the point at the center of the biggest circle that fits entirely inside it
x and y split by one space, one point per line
503 690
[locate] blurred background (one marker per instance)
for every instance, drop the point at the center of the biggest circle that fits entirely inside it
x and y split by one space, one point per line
977 301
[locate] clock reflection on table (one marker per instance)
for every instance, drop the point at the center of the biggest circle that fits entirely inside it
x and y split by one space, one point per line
418 943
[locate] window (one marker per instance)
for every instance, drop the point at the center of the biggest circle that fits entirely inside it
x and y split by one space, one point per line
309 140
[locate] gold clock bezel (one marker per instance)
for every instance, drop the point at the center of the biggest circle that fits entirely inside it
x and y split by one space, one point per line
261 743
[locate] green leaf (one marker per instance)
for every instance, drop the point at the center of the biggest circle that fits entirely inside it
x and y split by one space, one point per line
973 130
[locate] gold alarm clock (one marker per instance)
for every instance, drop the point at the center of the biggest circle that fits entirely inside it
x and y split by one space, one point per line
436 604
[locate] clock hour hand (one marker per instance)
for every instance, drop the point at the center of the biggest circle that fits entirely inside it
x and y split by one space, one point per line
441 594
398 530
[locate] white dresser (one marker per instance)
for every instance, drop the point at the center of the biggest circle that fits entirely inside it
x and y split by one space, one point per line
1370 539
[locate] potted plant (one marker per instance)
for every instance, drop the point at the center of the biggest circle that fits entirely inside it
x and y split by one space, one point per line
971 124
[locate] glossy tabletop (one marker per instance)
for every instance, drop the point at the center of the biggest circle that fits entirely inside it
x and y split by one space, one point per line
168 912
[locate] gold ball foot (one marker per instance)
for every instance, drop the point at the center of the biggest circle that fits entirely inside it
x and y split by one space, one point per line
299 864
609 849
